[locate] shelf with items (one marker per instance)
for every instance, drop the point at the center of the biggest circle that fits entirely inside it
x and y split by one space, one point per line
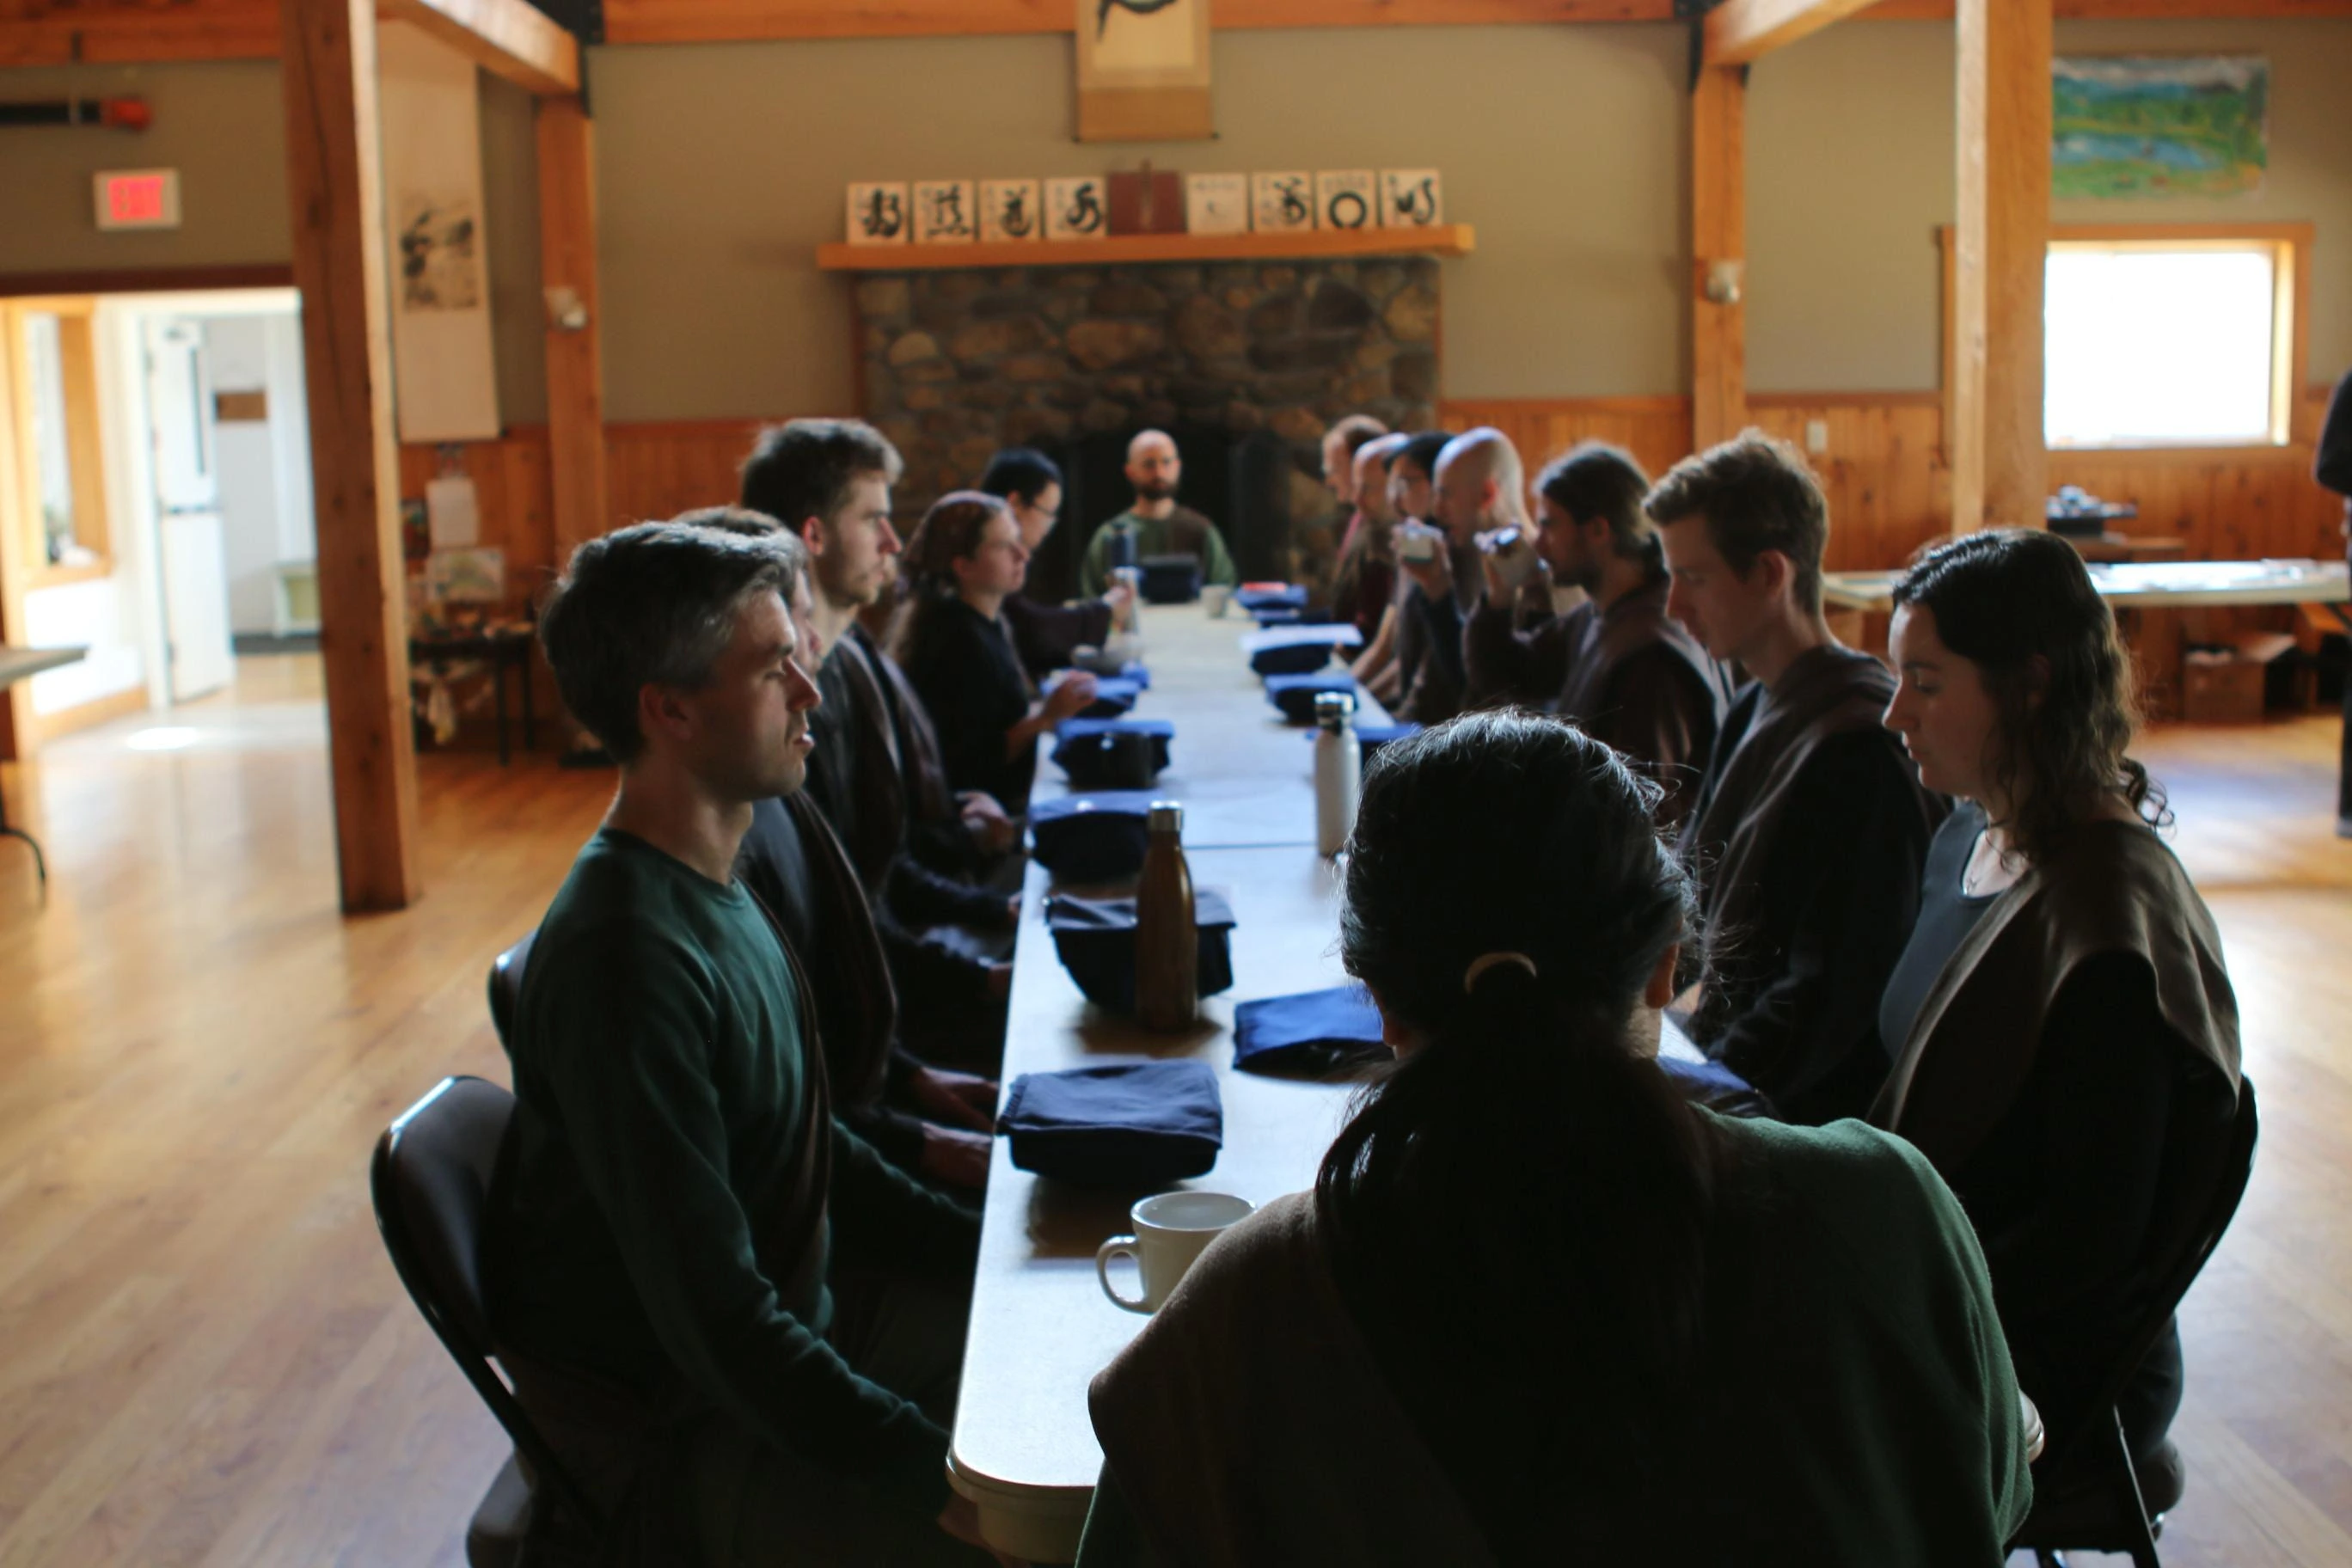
1313 244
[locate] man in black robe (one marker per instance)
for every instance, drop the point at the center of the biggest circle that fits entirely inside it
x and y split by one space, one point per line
923 853
1810 827
1617 666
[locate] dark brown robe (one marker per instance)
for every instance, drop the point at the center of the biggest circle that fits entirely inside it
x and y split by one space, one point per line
1808 843
1630 675
2115 888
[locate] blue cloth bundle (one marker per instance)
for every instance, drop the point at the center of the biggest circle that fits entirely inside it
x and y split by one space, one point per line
1094 939
1313 1033
1126 1124
1112 753
1257 597
1170 578
1114 695
1295 650
1296 694
1095 837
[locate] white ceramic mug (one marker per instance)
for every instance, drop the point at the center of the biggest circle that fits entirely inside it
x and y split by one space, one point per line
1215 596
1170 1230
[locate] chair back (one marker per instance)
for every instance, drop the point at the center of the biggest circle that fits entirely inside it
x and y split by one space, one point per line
506 986
430 1180
2172 1283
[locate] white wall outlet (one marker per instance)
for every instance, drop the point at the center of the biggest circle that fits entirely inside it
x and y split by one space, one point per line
1817 436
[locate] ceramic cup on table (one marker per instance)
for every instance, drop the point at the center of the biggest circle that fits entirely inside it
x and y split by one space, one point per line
1217 596
1171 1229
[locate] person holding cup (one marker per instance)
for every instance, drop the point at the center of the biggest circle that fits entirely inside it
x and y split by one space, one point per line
1539 1307
963 560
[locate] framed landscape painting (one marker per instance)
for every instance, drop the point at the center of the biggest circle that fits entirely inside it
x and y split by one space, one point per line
2154 125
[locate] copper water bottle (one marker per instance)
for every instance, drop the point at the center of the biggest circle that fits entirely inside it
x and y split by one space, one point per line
1167 940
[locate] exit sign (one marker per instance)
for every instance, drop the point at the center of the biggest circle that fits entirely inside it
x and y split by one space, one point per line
139 199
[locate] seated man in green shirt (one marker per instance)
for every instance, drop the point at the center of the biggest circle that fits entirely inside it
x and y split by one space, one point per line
672 1231
1155 524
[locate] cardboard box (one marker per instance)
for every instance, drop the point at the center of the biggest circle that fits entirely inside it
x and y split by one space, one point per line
2220 686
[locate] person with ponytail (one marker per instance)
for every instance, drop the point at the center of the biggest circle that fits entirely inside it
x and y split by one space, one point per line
1539 1308
2065 1035
950 637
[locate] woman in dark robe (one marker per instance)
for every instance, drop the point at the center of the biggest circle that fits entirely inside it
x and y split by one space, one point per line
1539 1309
961 564
2066 1037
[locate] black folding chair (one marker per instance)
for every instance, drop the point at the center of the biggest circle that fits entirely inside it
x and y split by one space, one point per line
2102 1501
506 985
430 1176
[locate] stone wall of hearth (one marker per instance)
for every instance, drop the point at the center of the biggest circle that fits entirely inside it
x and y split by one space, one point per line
958 364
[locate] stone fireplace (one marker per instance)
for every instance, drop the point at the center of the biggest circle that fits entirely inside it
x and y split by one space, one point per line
1244 362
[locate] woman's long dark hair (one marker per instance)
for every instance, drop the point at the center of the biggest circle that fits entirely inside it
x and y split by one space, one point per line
2020 606
950 532
1519 1210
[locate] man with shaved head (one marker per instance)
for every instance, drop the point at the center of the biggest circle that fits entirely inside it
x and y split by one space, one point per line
1155 524
1479 487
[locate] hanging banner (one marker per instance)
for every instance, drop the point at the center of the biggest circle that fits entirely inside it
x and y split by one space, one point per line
1143 71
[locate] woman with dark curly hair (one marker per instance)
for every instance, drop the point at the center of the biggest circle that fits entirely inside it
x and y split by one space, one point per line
950 637
2065 1038
1539 1309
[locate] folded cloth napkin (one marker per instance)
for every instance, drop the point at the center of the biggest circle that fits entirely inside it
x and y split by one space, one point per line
1126 1124
1112 753
1096 940
1114 695
1135 673
1171 579
1098 837
1716 1087
1277 616
1257 597
1314 1032
1294 650
1294 694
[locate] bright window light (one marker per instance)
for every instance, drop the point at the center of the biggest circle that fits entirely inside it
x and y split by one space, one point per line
166 738
2149 345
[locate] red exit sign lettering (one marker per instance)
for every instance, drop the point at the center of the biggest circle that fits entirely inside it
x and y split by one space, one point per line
139 199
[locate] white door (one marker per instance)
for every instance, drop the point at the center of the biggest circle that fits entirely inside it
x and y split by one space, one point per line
187 509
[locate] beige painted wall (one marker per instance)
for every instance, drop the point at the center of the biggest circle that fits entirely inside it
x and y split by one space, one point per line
1850 168
723 167
222 126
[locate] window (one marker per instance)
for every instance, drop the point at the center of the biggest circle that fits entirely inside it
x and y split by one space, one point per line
49 351
2169 341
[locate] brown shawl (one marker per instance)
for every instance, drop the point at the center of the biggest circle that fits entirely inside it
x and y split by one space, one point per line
1825 692
2115 888
1254 1382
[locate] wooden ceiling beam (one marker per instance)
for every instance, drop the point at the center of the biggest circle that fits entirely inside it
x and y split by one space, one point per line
509 38
1740 32
248 30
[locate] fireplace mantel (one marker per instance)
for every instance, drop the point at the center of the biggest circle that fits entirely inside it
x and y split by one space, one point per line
1316 245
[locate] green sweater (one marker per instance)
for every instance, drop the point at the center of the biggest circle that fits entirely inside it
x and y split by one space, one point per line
661 1086
1183 532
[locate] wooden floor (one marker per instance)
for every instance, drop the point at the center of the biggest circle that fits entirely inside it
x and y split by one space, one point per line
206 1359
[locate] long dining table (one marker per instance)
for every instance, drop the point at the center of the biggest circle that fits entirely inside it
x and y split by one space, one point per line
1023 1449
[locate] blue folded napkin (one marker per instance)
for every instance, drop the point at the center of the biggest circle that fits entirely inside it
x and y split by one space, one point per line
1277 616
1294 650
1294 694
1114 695
1112 753
1095 837
1313 1033
1272 596
1127 1124
1135 673
1094 939
1716 1087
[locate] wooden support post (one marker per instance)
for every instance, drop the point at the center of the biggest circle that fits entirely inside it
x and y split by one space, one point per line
1999 465
335 173
575 360
1718 256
